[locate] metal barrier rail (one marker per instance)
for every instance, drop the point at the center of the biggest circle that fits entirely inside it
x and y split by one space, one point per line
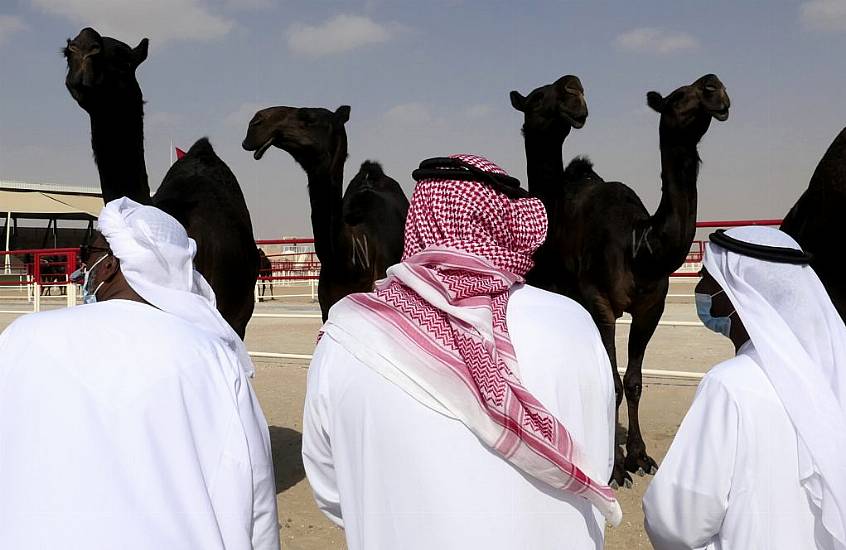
37 272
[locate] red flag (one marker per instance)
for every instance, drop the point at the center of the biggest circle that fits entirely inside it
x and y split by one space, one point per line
179 153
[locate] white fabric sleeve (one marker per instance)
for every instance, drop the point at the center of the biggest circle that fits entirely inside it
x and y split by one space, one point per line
687 500
609 414
265 534
317 448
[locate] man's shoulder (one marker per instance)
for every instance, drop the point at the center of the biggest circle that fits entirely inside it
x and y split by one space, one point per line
550 310
737 375
47 322
105 320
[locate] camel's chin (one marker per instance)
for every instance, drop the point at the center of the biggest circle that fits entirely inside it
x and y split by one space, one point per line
261 150
722 117
576 123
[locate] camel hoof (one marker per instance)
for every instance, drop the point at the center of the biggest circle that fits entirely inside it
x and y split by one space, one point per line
628 483
653 470
614 484
640 472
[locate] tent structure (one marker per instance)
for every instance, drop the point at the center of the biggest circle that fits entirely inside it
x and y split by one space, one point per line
45 201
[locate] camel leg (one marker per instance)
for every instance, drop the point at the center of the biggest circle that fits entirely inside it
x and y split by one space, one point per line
643 327
606 322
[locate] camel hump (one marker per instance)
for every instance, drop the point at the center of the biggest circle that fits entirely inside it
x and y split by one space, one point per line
580 169
371 169
202 148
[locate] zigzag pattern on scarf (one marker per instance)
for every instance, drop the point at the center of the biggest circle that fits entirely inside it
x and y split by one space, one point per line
432 321
463 284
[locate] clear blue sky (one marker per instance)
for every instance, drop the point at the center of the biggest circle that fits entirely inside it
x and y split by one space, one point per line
430 78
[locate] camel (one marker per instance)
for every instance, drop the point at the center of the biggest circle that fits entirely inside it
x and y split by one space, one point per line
265 270
814 221
604 249
550 113
358 234
199 190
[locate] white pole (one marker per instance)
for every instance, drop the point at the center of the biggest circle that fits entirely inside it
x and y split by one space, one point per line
8 260
71 292
171 152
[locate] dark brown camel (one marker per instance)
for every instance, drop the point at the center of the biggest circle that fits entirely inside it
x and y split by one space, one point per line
265 270
358 234
199 190
604 249
550 112
815 223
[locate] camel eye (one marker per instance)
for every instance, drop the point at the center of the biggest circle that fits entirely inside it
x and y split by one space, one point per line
710 88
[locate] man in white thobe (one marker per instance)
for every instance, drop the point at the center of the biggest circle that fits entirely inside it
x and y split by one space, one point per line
395 465
758 462
130 422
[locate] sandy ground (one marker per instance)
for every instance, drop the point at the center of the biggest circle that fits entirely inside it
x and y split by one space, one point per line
280 386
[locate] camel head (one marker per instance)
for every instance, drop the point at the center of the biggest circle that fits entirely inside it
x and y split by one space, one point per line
102 69
308 134
557 106
690 108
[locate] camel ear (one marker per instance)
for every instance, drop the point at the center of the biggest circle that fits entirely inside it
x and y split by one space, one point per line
139 52
342 113
654 100
518 101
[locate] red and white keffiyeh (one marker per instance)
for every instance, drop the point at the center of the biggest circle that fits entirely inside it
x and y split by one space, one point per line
436 325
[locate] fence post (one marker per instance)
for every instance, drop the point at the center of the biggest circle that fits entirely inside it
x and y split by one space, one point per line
71 292
36 288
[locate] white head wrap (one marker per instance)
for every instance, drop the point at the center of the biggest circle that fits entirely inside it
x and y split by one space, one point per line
156 258
801 342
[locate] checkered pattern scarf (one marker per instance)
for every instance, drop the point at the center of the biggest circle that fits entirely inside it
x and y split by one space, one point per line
436 325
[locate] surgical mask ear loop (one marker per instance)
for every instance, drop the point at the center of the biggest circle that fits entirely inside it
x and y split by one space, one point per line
90 298
733 311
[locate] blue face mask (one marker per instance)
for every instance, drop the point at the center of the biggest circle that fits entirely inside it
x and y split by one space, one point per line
89 296
720 325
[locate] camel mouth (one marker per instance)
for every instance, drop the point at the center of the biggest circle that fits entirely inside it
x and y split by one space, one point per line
576 120
261 150
721 115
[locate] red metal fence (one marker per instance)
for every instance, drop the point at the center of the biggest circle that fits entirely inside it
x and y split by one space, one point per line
290 260
47 267
296 260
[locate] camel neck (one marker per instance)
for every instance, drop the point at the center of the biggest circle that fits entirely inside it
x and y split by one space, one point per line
325 186
544 165
117 138
674 223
